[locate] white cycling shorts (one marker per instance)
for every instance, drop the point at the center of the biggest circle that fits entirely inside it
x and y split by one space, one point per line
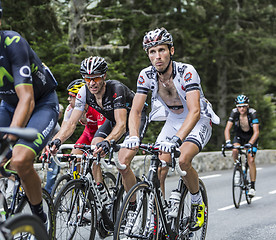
199 135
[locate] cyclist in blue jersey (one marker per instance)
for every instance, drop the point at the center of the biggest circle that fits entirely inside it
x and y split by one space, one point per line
27 91
246 129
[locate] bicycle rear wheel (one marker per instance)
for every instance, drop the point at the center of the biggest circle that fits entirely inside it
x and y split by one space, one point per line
48 208
69 203
237 185
140 226
25 226
184 214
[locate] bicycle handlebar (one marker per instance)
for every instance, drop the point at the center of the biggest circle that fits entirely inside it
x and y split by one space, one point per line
240 148
175 153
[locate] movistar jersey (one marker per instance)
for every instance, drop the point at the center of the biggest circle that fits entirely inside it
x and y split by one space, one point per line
185 79
235 119
19 65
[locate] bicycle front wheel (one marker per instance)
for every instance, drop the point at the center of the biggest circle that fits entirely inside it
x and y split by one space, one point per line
184 214
247 185
75 212
60 182
25 226
237 185
48 208
136 223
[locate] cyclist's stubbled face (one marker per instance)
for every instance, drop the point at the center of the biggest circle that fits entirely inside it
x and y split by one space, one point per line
95 83
160 56
242 109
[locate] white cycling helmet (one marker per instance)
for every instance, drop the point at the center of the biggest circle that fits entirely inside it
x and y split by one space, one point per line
157 37
93 65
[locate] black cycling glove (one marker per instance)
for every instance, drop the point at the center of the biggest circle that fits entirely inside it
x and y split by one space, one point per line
55 142
105 146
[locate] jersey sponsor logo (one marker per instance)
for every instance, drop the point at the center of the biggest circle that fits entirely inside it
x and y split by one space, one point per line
9 41
8 92
34 67
118 98
25 71
183 88
203 133
115 95
42 77
39 140
141 80
49 128
151 74
181 70
5 73
188 77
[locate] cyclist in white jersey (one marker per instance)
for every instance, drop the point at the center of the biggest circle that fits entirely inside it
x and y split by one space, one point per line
177 97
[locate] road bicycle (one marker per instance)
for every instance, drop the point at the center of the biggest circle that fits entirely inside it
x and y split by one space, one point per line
21 226
73 172
79 205
19 202
241 177
151 216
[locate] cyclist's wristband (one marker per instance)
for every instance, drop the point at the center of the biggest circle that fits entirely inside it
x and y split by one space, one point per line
176 140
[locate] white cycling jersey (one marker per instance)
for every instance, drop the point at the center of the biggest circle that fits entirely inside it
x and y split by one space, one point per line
185 79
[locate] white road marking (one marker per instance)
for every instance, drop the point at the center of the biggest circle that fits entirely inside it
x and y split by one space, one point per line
210 176
242 203
272 192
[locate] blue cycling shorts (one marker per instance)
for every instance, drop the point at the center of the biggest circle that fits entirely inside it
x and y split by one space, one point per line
44 119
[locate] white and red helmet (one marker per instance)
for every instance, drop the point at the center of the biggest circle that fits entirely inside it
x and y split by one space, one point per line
157 37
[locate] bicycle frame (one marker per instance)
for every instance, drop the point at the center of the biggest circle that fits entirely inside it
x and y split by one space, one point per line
152 180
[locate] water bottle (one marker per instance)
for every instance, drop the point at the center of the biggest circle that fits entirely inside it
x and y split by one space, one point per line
104 196
174 203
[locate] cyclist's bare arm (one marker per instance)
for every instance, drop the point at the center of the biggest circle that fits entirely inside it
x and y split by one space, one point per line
24 107
193 104
227 130
138 104
255 135
119 129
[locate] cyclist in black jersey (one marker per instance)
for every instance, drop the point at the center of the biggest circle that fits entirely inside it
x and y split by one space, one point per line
27 91
112 99
246 130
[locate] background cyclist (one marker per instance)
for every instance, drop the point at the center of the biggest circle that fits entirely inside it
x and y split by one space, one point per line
246 130
27 90
176 88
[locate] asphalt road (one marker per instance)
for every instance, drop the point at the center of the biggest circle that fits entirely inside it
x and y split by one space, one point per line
255 221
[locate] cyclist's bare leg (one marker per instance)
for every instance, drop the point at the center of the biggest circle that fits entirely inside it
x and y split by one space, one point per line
188 152
125 157
76 152
96 168
252 167
22 163
235 152
163 171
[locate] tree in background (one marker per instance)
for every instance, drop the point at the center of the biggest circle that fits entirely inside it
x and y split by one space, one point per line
231 43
